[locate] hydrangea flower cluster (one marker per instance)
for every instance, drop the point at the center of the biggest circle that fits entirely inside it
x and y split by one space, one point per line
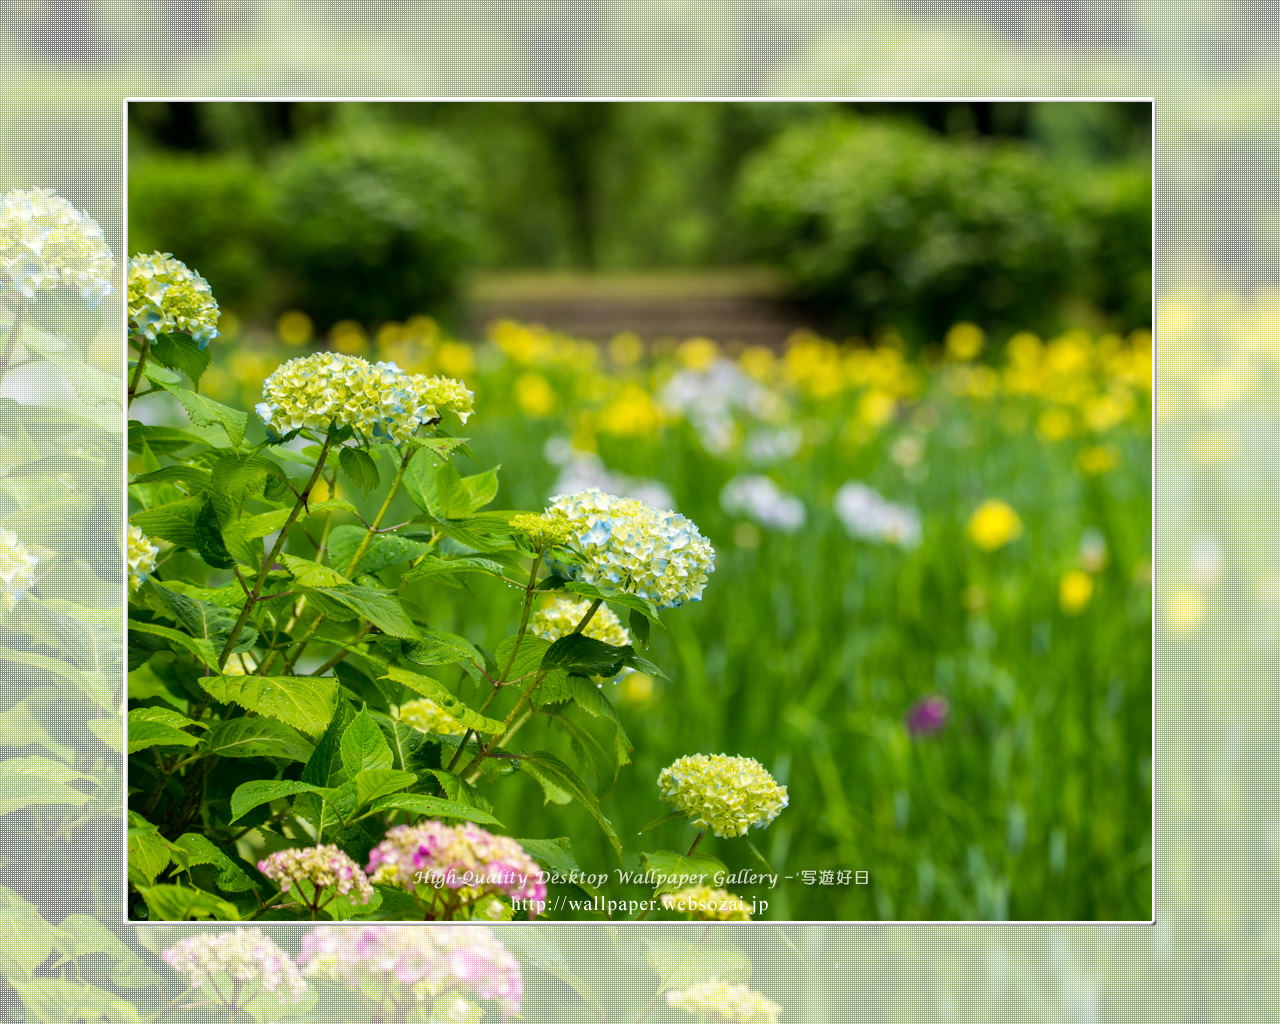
379 400
869 515
433 961
758 498
16 565
245 956
46 242
463 858
168 297
727 795
428 716
630 546
545 530
324 866
707 904
559 618
728 1002
142 557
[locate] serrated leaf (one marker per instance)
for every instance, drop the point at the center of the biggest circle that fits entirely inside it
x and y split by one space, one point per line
380 607
590 753
633 602
252 527
638 627
54 1001
312 574
527 659
304 702
326 762
372 783
681 869
596 703
682 964
182 903
553 689
202 619
358 467
143 734
447 702
384 550
363 745
431 566
174 522
182 353
434 807
258 737
586 656
263 791
543 765
199 850
148 853
205 412
452 499
202 649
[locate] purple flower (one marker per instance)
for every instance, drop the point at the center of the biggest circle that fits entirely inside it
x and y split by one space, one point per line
928 716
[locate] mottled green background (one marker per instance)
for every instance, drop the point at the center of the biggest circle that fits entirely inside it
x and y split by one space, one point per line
69 63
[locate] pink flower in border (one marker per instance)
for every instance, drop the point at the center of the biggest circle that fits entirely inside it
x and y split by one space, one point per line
928 717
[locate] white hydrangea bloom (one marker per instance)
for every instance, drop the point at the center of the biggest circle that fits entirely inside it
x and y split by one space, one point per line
632 547
379 400
142 557
728 1002
46 243
168 297
246 956
728 795
17 566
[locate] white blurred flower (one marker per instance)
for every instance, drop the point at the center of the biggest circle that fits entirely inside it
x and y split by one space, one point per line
1205 560
758 498
581 471
708 399
869 515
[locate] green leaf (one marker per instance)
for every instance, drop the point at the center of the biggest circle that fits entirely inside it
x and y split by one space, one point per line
487 531
385 550
557 856
304 702
681 869
460 791
199 850
638 627
593 700
553 689
144 733
757 856
252 527
181 903
633 602
182 353
662 819
371 783
205 412
90 937
358 466
202 619
543 765
326 762
381 607
363 745
262 791
312 574
175 522
53 1001
482 487
431 566
19 791
434 807
529 658
682 964
452 499
202 649
437 647
450 704
160 440
147 850
587 656
257 737
591 754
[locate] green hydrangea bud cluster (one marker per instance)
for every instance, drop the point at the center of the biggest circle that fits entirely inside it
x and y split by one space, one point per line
142 557
379 401
707 904
630 546
426 715
324 866
46 243
557 619
728 795
546 530
245 956
168 297
728 1002
16 569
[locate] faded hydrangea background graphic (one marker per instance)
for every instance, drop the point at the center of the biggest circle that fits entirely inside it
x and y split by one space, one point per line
66 956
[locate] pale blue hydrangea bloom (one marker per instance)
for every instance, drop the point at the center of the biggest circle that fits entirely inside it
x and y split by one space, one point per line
629 546
46 243
168 297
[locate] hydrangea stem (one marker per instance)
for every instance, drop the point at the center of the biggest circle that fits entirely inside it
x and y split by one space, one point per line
471 771
144 349
276 548
292 658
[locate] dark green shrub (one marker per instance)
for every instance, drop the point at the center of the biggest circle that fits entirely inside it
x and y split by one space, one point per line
374 225
211 213
882 223
1116 209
